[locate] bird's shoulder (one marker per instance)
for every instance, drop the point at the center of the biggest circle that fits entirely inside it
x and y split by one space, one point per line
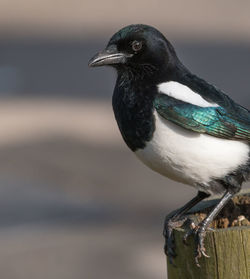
199 106
214 95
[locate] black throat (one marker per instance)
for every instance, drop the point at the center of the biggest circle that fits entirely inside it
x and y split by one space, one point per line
133 108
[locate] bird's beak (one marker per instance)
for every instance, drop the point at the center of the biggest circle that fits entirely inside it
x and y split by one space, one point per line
109 56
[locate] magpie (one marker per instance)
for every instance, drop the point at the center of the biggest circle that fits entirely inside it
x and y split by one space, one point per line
177 124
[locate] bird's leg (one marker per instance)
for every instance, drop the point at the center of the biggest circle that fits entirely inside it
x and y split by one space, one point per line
200 231
175 220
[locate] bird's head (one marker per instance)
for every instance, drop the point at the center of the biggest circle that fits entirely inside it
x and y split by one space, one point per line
139 48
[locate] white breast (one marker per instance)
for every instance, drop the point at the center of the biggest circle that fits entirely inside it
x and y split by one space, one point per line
190 157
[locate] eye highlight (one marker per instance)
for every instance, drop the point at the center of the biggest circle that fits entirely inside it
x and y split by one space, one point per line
136 46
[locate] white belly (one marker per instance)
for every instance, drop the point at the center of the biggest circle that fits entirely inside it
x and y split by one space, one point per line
190 157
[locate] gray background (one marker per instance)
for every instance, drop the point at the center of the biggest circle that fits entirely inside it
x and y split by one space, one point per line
74 201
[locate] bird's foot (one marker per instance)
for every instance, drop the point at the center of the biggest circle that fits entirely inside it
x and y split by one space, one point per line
199 233
170 224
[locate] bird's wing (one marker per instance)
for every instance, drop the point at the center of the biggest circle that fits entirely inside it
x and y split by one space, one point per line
215 121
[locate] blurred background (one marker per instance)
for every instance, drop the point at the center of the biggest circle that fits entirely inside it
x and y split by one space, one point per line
74 201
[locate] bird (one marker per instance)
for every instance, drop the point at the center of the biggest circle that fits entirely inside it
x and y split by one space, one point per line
177 124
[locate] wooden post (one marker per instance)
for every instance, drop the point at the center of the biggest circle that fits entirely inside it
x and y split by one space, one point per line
228 245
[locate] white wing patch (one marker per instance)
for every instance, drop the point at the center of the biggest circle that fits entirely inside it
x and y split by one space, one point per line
183 93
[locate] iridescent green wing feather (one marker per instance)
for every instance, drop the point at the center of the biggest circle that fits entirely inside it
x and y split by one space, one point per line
215 121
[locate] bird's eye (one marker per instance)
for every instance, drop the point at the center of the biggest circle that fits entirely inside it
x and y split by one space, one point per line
136 46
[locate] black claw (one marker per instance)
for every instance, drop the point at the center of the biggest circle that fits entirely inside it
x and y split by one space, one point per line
184 241
170 225
199 235
197 261
169 247
171 261
188 234
171 252
175 220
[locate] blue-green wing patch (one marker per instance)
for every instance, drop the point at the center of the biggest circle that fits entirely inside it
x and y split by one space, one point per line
215 121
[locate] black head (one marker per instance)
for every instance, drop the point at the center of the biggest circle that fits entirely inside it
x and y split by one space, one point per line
141 48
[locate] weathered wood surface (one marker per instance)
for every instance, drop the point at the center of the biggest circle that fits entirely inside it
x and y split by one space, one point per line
229 251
